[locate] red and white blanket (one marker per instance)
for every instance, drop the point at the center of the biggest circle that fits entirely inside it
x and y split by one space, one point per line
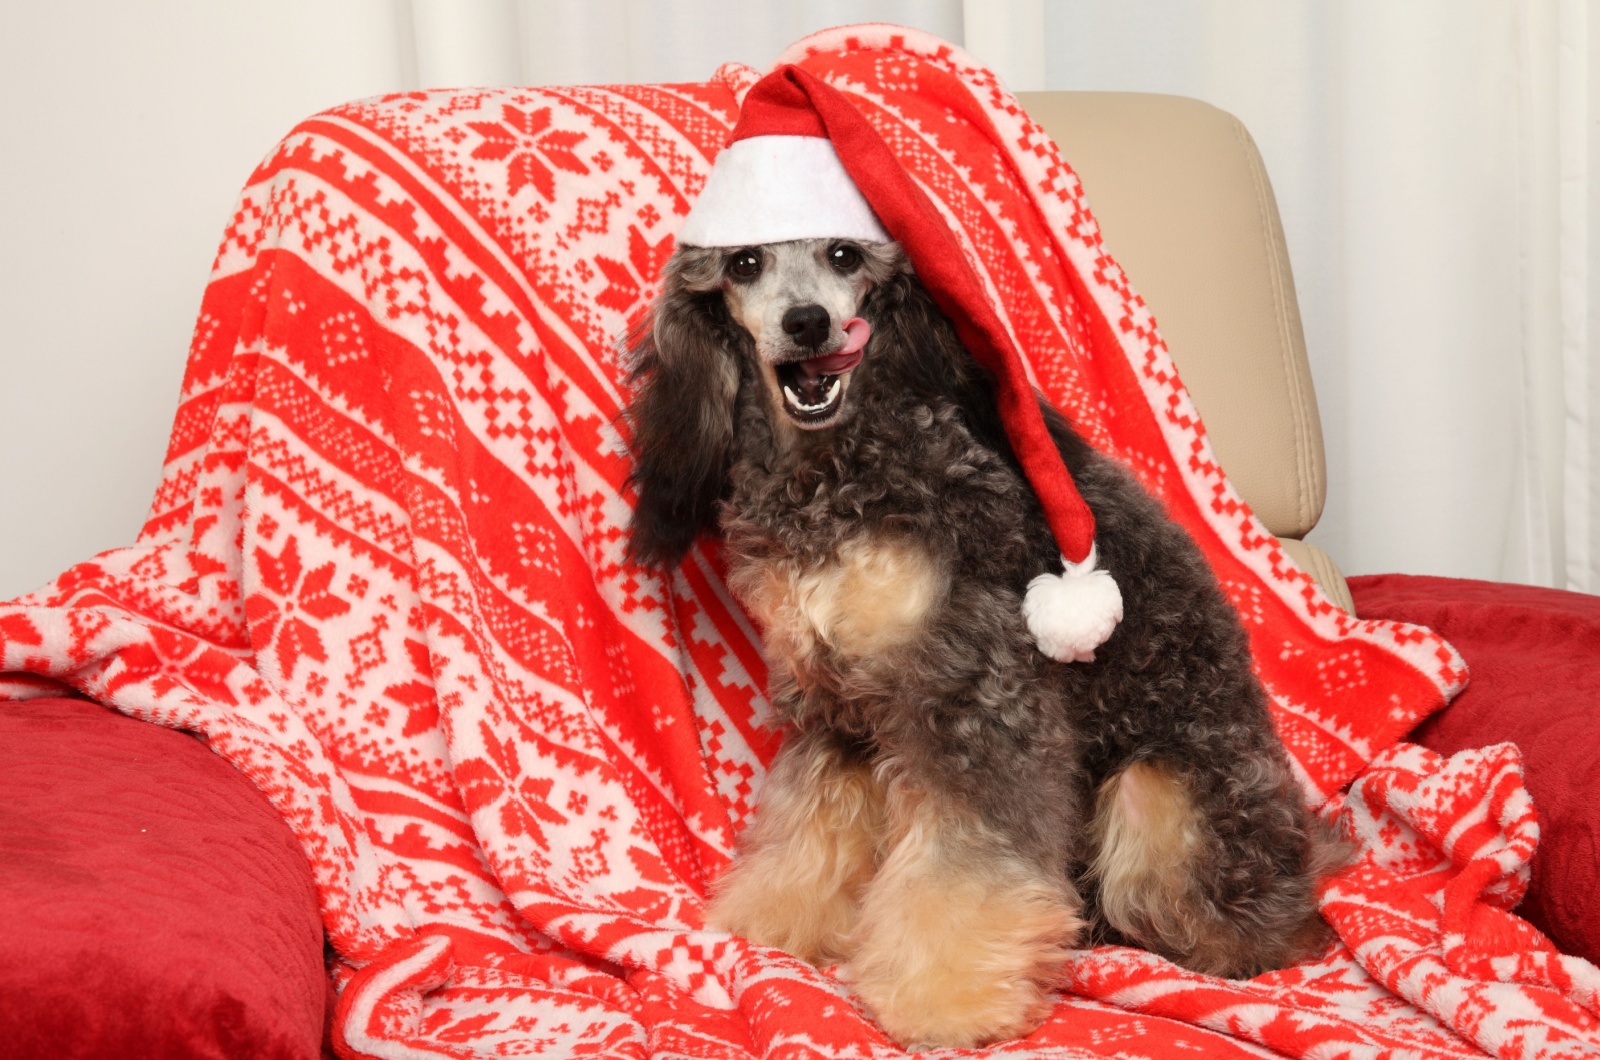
383 576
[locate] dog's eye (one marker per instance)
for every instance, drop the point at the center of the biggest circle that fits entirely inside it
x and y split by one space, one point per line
845 258
744 266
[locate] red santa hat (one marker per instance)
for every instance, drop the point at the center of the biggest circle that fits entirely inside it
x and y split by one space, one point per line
804 163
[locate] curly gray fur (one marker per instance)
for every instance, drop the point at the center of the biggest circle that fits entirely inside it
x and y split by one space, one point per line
971 707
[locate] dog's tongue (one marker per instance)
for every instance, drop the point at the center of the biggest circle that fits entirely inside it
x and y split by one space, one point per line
856 334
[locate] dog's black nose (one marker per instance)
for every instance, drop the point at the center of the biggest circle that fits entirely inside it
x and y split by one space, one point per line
807 325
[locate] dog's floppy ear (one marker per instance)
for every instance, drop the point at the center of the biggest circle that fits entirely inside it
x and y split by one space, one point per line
686 377
910 327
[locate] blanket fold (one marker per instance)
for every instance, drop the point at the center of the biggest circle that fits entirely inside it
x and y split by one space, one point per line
383 576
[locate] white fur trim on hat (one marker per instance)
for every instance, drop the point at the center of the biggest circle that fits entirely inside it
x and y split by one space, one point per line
1072 613
769 189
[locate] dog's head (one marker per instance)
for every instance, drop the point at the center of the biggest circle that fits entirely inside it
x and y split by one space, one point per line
800 303
788 326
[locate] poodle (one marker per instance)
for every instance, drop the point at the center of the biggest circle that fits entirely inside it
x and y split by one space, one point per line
950 810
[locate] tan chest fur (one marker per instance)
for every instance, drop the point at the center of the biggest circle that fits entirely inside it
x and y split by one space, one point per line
871 597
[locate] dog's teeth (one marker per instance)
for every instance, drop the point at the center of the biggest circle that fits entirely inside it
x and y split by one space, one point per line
821 406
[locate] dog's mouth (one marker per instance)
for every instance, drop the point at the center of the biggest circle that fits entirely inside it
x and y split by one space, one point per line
813 388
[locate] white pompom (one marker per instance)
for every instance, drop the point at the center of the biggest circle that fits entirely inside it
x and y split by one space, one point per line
1072 614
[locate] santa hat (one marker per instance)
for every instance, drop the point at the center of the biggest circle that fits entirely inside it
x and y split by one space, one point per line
804 163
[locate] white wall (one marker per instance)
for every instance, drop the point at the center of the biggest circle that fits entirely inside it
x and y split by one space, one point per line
126 132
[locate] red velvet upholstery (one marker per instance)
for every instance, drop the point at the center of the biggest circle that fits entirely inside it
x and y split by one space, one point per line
1535 661
154 903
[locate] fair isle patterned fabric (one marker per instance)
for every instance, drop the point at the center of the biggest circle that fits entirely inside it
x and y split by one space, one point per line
383 576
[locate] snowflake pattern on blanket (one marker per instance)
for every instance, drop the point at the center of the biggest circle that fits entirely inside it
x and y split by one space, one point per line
383 577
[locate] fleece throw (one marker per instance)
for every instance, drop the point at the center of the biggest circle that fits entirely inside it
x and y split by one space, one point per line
383 576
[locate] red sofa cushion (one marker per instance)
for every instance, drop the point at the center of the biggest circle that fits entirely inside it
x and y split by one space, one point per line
1535 661
156 905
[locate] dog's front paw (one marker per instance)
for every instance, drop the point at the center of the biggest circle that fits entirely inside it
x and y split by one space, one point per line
806 857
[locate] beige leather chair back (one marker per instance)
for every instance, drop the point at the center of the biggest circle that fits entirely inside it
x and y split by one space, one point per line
1183 200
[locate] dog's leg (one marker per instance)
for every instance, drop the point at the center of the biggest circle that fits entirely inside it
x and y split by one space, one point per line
961 941
1230 905
804 859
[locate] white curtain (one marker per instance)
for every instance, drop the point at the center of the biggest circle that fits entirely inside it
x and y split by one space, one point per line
1435 162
